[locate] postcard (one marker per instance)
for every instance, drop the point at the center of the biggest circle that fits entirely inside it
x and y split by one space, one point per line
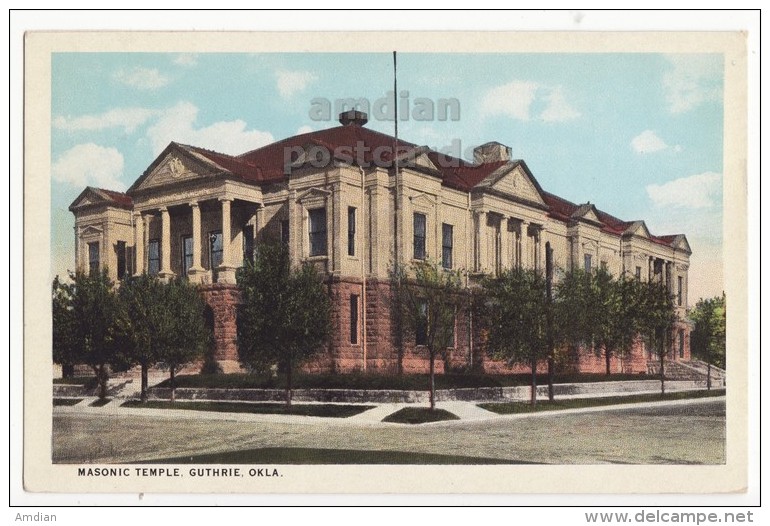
385 262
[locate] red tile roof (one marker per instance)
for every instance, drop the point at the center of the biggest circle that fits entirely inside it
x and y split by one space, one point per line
354 142
118 197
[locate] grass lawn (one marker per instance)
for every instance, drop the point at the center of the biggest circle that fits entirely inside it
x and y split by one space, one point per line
281 455
66 401
507 408
324 410
419 415
101 402
406 382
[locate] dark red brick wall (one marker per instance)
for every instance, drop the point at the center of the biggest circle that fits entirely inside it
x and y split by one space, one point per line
381 354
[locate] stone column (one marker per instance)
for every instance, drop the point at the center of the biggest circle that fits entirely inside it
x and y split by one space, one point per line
483 242
226 269
196 270
526 252
138 244
505 244
165 244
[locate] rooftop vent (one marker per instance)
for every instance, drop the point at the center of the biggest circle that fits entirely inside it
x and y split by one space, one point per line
353 117
491 152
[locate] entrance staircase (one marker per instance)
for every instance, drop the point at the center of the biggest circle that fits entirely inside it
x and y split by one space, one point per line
693 370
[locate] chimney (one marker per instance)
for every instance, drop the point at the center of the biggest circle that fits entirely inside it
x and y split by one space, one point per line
491 152
353 117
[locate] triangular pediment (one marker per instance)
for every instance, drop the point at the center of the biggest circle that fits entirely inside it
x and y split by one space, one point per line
91 230
313 194
94 197
174 165
638 228
423 200
418 158
680 243
515 181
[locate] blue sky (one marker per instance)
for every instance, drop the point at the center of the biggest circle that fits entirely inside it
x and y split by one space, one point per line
639 135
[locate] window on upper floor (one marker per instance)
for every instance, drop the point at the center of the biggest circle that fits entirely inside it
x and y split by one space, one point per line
317 227
93 258
679 290
153 257
351 231
120 252
248 244
587 262
420 229
285 232
638 273
447 241
187 254
215 249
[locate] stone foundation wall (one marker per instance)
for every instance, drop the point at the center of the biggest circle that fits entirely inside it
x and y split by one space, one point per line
390 349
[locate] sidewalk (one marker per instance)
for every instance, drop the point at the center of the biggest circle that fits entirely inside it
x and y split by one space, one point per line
468 412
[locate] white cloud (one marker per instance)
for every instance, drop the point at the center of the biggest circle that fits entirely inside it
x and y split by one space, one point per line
141 78
127 118
647 142
179 124
692 80
516 100
557 108
513 99
304 129
90 165
696 191
186 59
292 82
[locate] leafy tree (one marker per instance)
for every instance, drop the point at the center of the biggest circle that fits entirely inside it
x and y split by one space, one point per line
285 316
708 338
656 315
427 305
598 311
65 343
162 323
86 323
573 310
517 312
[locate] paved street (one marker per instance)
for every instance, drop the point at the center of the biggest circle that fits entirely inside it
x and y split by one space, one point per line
689 432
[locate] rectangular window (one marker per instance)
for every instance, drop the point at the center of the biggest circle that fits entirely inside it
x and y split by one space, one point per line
285 232
248 244
187 254
353 319
681 343
446 245
93 258
419 236
317 231
603 265
153 257
421 330
121 254
451 340
351 231
638 273
215 249
679 290
587 262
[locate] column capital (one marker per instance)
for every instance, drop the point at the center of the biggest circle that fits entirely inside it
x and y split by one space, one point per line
194 204
162 209
224 199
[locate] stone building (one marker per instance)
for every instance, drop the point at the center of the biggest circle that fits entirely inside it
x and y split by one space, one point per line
340 199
